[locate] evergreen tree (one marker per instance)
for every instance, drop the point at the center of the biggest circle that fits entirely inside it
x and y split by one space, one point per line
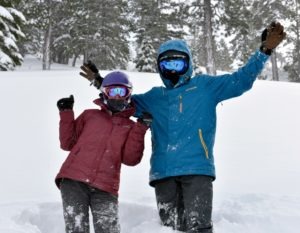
268 11
61 48
11 21
244 22
149 30
177 18
96 30
146 61
32 44
160 20
238 21
151 23
223 58
42 21
74 30
106 33
203 24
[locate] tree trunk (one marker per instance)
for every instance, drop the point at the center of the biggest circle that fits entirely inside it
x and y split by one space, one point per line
210 63
74 60
47 38
275 76
85 56
46 49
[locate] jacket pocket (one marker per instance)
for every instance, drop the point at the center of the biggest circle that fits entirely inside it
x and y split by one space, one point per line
203 144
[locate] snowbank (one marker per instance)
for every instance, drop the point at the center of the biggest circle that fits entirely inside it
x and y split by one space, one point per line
257 156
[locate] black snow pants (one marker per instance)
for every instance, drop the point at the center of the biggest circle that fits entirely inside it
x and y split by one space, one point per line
185 203
78 198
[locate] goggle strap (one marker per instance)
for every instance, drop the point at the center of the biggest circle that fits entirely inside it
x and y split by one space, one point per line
175 56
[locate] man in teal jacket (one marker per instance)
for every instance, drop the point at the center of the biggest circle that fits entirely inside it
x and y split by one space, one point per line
184 127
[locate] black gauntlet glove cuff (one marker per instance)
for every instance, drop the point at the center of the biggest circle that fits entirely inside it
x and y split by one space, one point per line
265 50
146 122
146 119
97 81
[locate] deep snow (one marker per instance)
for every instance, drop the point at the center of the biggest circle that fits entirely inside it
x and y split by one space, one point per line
257 156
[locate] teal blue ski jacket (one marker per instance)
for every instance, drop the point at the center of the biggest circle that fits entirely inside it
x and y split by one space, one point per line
184 116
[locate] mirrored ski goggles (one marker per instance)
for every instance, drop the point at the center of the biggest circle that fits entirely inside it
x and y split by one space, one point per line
174 64
116 92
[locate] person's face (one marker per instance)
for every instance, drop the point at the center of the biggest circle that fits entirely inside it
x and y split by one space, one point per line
172 64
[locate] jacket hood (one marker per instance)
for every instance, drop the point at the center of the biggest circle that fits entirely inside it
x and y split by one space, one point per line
128 112
177 45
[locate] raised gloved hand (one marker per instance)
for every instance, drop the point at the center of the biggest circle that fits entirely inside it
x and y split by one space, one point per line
146 119
91 73
65 103
271 37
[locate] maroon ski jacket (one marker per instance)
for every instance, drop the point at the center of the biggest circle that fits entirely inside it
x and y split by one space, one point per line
98 143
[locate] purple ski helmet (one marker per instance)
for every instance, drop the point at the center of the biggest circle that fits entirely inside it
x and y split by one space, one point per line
116 78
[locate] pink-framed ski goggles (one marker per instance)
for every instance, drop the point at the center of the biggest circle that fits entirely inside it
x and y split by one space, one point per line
116 92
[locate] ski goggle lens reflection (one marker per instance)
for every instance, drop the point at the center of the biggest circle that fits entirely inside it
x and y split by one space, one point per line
117 91
173 64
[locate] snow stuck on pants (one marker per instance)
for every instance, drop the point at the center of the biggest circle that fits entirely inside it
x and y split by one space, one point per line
250 213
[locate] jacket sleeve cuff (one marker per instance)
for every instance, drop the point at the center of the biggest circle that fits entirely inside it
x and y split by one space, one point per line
67 114
261 56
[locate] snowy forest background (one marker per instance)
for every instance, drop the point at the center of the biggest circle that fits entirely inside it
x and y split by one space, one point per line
125 34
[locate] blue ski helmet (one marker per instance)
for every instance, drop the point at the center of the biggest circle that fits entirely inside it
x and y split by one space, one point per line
116 78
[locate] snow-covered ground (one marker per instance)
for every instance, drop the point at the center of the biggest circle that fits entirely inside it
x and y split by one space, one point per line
257 155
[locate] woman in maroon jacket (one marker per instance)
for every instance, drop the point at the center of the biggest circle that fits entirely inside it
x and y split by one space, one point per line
98 141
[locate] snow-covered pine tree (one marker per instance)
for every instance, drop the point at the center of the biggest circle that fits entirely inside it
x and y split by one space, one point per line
96 30
264 12
42 18
11 21
66 35
150 29
245 21
145 60
158 21
238 22
73 33
32 44
150 23
105 33
176 13
223 59
79 30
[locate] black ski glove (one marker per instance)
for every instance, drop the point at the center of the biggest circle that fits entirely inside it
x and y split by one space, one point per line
271 37
91 73
65 103
146 119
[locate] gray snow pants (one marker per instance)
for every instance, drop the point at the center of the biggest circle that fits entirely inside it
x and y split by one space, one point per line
78 197
185 203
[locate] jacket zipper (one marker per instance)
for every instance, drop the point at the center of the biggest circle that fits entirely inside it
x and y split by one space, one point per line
180 104
203 143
